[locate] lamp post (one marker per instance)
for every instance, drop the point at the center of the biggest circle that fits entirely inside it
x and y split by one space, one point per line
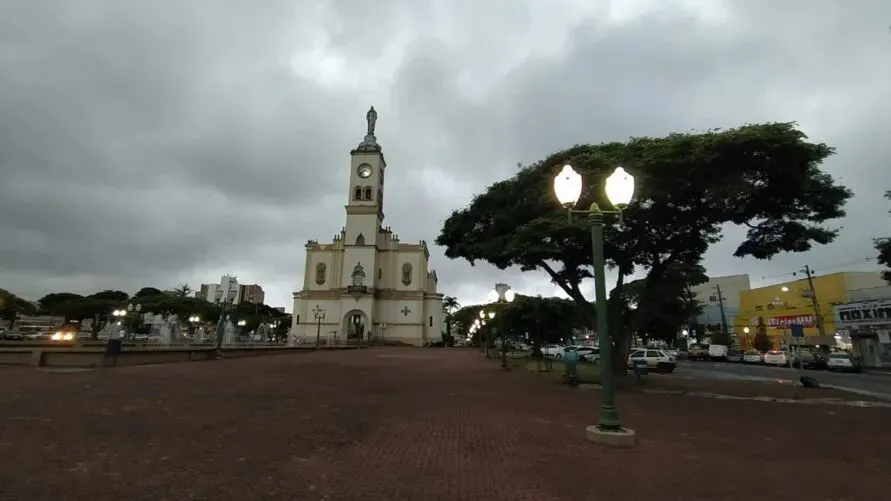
619 190
119 321
319 315
241 323
193 321
502 295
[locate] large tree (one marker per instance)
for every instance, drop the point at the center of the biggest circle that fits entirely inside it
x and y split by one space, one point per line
765 177
883 245
11 306
449 306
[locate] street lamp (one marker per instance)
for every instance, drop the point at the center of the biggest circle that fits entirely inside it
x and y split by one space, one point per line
193 320
319 315
619 190
501 294
119 316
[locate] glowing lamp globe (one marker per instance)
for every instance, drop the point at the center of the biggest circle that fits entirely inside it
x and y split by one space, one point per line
620 188
493 296
568 186
509 295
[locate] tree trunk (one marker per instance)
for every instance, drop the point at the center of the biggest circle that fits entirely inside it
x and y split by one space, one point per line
95 327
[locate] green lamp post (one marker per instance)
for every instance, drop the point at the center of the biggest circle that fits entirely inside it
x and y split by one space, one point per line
501 294
619 190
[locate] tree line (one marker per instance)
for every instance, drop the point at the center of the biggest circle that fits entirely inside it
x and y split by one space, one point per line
690 187
97 308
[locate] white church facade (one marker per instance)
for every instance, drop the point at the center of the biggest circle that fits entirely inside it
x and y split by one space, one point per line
366 284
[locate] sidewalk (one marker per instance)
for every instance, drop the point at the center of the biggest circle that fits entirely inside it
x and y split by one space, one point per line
403 424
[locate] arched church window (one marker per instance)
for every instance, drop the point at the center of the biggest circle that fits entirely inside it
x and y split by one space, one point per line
406 274
358 194
360 240
368 193
320 273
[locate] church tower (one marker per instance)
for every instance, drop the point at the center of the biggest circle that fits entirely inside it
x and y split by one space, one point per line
365 208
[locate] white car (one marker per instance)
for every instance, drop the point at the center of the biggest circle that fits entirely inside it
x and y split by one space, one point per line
552 350
752 357
777 357
657 360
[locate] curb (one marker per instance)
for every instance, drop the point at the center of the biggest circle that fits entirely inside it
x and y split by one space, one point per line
857 391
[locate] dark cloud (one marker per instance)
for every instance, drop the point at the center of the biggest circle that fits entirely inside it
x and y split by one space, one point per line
147 145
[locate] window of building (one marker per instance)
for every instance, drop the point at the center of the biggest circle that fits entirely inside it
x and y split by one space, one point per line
298 319
320 273
431 320
368 193
358 193
380 273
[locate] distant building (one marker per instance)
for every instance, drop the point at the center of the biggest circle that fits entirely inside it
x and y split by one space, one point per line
230 290
863 324
707 294
36 325
280 309
780 306
252 293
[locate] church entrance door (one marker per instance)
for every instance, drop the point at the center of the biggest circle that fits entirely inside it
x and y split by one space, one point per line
355 324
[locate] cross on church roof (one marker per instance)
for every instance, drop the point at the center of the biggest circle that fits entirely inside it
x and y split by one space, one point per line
405 311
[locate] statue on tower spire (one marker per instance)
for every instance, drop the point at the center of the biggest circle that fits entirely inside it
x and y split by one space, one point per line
370 142
371 117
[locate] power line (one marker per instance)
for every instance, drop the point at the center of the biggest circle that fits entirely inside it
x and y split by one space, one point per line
822 268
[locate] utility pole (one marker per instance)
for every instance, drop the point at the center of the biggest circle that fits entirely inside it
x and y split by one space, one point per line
812 294
723 314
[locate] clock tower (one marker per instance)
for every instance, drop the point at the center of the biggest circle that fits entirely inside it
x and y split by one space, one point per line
364 208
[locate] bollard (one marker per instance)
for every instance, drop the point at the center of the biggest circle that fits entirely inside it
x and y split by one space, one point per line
570 361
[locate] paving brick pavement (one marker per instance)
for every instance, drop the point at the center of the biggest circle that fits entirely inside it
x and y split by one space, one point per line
406 424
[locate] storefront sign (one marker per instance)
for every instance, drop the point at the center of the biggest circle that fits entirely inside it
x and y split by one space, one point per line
784 322
864 313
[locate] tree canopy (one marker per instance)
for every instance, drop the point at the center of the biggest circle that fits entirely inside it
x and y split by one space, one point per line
543 320
765 177
883 246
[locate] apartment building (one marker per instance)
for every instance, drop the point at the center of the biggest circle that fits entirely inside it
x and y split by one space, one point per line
230 290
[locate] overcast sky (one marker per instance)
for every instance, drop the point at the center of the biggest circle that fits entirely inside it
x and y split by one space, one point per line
152 143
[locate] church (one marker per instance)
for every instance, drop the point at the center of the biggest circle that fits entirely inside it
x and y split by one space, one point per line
366 284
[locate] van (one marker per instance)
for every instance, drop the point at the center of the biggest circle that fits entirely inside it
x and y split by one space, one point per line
717 352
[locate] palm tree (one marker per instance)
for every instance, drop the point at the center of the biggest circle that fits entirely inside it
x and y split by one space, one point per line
449 306
183 290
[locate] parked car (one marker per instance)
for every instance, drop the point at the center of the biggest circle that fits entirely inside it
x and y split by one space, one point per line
11 336
777 357
589 354
698 352
808 359
717 352
552 350
844 362
734 356
753 357
657 360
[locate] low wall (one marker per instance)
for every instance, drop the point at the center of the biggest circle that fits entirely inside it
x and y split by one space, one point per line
131 355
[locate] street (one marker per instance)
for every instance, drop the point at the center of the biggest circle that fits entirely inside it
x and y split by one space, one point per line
878 385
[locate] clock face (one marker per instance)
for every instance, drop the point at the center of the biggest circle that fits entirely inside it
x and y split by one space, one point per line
364 171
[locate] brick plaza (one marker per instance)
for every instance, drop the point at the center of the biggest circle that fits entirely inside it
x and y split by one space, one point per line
405 424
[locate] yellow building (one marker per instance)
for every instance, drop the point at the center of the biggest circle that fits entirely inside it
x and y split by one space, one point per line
777 307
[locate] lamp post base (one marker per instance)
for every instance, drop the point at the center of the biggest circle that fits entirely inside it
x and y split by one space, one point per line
623 437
